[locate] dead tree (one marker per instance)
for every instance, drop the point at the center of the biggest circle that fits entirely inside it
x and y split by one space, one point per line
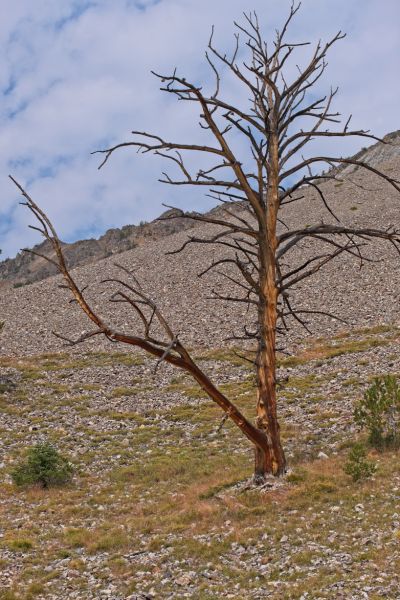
281 118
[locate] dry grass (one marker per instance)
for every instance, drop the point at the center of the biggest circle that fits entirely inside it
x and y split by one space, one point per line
175 493
364 339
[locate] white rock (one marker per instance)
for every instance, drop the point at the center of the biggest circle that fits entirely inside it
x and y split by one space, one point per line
184 579
284 539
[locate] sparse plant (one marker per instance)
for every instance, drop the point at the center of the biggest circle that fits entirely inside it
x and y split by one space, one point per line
357 465
44 466
7 595
379 412
6 385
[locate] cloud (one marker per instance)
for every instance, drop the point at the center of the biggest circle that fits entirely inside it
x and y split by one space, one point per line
75 77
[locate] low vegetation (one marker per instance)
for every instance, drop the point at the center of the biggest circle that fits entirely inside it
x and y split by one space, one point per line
379 412
160 503
42 466
357 465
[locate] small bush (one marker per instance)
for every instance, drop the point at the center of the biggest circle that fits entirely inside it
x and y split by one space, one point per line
43 466
21 544
357 466
379 412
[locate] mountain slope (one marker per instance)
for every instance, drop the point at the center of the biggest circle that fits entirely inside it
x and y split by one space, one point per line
362 297
26 268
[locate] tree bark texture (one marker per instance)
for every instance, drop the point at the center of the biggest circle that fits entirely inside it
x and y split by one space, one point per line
272 461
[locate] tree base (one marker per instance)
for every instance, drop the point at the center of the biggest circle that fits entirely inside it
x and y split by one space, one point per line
265 467
260 479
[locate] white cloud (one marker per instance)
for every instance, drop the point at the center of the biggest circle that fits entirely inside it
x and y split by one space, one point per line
74 76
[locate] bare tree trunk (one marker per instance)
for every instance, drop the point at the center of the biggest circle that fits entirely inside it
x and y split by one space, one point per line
271 462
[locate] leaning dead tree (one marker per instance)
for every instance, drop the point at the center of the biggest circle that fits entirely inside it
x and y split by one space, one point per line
255 186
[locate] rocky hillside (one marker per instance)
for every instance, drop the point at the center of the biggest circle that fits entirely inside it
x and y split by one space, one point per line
361 296
27 268
377 153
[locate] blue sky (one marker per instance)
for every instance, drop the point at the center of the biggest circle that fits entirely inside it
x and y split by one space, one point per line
75 76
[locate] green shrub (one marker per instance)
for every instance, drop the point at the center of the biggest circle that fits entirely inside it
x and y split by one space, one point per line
379 412
43 466
357 465
21 544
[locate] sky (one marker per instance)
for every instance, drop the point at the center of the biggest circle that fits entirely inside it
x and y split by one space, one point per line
75 77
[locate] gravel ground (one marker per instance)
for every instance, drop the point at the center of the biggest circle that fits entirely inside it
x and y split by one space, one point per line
105 412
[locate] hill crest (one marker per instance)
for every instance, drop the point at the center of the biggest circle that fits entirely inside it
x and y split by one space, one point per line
28 268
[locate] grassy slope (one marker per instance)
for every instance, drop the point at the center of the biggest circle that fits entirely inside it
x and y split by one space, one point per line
159 506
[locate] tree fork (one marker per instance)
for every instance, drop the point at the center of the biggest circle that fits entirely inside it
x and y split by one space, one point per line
173 353
260 437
